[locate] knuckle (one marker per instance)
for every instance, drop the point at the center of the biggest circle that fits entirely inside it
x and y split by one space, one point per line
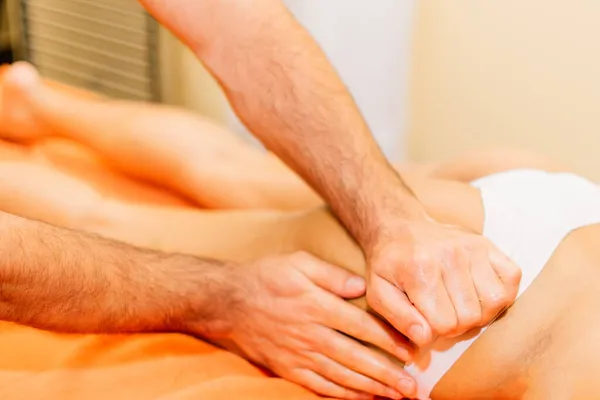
294 375
445 327
424 271
514 276
371 386
362 323
277 366
392 254
375 302
475 243
310 309
423 259
470 319
373 299
301 377
348 394
302 256
499 300
455 253
452 264
340 375
494 305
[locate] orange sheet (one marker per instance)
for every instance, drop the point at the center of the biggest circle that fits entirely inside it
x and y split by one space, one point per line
43 365
36 364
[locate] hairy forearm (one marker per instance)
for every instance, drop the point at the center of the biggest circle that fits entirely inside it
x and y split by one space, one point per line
282 86
68 281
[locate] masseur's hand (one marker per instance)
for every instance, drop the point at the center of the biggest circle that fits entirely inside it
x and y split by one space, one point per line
293 321
429 279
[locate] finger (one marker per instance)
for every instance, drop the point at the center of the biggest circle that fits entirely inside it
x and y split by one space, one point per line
332 278
352 364
461 290
490 290
346 377
508 272
366 327
393 305
431 298
325 387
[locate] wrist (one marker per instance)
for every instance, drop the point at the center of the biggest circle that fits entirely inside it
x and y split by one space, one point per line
201 294
387 204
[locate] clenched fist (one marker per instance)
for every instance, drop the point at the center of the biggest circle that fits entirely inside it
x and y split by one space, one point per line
429 279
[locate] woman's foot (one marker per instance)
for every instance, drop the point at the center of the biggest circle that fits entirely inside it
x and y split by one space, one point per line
19 84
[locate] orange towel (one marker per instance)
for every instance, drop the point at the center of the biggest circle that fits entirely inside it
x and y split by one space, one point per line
36 364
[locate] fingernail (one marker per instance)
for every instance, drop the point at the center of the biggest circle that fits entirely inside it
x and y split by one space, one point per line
415 333
406 386
404 355
355 284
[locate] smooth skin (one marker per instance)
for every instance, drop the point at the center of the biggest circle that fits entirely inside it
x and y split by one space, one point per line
425 277
164 221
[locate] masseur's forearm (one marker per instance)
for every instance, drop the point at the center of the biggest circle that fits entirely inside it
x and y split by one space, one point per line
68 281
282 86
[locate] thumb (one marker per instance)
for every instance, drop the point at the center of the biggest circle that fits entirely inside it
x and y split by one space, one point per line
332 278
395 307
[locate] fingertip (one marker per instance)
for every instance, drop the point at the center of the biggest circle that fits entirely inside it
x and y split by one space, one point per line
428 337
393 394
408 387
420 334
355 286
406 353
419 331
507 270
395 307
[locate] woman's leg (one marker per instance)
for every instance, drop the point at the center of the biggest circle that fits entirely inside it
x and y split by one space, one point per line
162 145
194 156
45 193
42 193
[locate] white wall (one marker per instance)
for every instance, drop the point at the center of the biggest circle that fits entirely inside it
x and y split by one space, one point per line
368 43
